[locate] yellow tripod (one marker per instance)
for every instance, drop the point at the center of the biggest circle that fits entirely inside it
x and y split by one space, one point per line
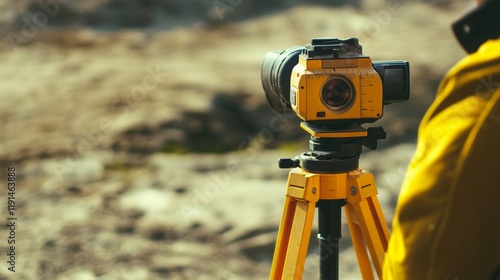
329 178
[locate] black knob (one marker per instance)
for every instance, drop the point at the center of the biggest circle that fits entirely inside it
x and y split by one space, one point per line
288 163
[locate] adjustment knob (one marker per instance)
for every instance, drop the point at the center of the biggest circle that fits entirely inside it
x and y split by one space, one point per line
288 163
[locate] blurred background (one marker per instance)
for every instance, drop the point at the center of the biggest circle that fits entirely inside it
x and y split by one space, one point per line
144 146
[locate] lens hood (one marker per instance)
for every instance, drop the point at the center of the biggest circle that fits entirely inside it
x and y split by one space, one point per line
275 76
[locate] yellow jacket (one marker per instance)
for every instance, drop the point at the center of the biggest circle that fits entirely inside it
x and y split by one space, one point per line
447 220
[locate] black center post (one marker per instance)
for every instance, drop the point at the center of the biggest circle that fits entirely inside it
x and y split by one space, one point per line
330 155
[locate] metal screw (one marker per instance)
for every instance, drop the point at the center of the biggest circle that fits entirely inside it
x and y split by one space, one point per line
314 190
354 190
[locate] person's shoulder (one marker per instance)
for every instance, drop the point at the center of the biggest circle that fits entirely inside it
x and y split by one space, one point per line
490 48
487 57
472 70
469 84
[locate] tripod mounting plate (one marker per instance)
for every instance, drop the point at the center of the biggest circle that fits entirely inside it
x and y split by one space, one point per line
351 131
369 137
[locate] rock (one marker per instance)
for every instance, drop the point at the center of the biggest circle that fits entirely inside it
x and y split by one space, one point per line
77 275
150 201
130 273
76 170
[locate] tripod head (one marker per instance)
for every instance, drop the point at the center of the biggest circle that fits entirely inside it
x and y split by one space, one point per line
334 149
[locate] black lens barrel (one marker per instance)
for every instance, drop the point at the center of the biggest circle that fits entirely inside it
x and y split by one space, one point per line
275 75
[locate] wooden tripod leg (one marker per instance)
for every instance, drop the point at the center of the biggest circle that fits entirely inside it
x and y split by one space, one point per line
295 227
358 244
283 238
293 239
367 224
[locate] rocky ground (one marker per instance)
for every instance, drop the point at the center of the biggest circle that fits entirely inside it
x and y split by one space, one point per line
142 141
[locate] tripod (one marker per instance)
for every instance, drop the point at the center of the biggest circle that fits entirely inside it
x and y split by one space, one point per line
329 177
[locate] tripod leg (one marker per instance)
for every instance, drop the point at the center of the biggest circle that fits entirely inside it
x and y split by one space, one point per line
283 238
359 244
367 222
295 228
293 239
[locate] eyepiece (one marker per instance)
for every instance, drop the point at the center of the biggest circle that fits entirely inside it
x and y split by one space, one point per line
395 75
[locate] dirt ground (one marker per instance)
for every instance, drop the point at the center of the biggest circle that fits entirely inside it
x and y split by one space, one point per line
141 138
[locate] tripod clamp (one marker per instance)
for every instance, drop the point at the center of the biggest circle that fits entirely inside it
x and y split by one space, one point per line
335 154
